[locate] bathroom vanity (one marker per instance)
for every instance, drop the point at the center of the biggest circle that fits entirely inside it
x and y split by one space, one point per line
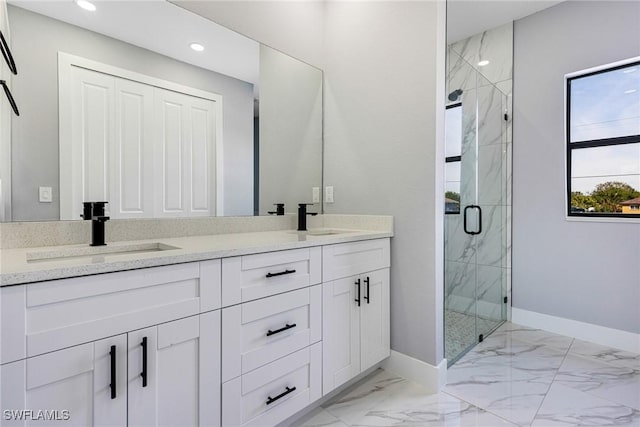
228 329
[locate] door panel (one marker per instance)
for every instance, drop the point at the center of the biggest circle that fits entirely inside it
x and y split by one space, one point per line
375 318
340 332
76 379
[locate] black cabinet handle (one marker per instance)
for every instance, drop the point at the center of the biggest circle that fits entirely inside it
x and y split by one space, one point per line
112 353
7 92
143 374
288 390
280 273
479 219
366 282
6 52
358 298
284 328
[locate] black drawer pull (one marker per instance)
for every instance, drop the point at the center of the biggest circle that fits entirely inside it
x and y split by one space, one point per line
358 298
112 353
143 374
280 273
12 101
284 328
366 282
270 399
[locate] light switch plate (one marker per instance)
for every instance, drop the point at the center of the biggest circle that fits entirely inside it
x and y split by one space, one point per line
328 194
316 194
46 195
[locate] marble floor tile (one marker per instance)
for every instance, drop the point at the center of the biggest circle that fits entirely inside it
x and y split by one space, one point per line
320 418
616 384
355 402
609 355
535 336
564 406
413 406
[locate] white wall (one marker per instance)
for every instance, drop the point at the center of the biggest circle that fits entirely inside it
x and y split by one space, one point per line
36 41
384 67
585 271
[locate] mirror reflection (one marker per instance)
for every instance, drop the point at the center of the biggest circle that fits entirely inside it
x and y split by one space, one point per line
180 117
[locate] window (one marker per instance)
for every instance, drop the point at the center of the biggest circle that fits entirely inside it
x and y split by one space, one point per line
603 141
453 153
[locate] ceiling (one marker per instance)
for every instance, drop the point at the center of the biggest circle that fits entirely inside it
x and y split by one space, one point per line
466 18
162 27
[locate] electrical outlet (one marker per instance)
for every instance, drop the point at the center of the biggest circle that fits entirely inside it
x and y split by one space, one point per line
316 194
46 195
328 194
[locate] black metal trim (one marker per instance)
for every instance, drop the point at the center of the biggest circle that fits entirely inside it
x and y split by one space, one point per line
604 142
143 374
284 328
288 390
280 273
6 52
12 101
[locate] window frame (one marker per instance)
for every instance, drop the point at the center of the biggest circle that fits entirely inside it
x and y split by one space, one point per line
453 159
603 142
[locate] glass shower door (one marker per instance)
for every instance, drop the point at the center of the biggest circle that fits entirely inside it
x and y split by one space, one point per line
476 212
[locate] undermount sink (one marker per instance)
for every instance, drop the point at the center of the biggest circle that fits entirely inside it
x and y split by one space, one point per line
321 232
93 251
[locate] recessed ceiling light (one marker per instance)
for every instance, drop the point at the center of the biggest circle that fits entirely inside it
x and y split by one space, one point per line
197 47
629 70
483 63
630 91
86 5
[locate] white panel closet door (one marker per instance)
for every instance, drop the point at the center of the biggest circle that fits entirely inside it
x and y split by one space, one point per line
185 155
202 160
132 166
88 152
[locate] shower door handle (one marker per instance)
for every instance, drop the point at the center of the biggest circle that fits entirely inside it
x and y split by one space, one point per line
466 210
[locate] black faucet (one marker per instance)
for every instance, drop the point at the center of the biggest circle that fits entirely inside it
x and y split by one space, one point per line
302 215
94 211
279 209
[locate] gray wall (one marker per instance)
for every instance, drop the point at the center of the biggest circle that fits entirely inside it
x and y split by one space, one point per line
384 70
290 131
36 41
383 99
585 271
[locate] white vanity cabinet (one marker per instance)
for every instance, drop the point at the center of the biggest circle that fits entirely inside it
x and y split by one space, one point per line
66 342
356 314
117 382
239 341
271 350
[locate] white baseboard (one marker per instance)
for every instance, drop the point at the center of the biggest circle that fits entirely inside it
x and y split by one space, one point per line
602 335
433 378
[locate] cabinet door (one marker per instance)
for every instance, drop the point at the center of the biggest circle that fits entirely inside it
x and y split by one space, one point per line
374 318
77 379
182 373
340 332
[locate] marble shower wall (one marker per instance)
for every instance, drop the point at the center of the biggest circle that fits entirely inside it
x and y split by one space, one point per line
479 268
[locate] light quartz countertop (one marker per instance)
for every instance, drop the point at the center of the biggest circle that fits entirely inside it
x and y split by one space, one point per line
26 265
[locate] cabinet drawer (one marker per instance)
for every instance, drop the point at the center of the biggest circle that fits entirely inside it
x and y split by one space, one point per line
250 277
259 332
265 396
350 259
47 316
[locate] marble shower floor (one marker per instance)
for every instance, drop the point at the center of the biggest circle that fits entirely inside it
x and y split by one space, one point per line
515 377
